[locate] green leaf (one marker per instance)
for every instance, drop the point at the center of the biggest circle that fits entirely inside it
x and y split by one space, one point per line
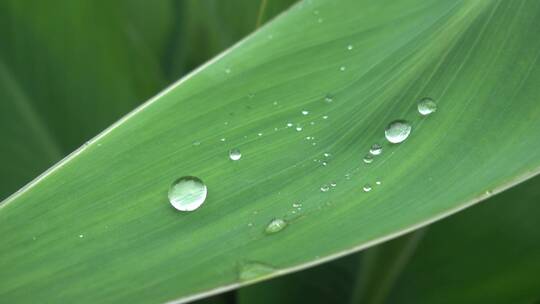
97 227
486 255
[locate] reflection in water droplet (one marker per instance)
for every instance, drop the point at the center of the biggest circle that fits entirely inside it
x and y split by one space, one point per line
397 131
376 149
276 225
187 193
368 159
235 154
251 271
367 187
325 188
426 106
328 98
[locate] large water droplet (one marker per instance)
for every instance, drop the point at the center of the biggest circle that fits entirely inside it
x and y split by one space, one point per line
250 271
276 225
426 106
397 131
376 149
235 154
187 193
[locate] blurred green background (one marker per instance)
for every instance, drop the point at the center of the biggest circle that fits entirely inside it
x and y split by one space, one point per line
68 69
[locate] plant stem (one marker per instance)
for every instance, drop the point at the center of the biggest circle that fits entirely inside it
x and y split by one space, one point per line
262 9
381 266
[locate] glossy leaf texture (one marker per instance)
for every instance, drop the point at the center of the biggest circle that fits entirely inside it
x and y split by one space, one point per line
100 219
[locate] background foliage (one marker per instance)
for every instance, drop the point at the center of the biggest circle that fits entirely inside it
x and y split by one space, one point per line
68 69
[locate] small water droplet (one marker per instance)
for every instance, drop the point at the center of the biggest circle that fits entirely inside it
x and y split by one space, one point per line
324 163
235 154
348 176
333 184
259 134
314 144
81 236
252 271
275 103
298 128
223 139
326 154
305 112
296 205
342 68
350 47
397 131
320 20
367 187
368 159
325 117
376 149
378 182
250 224
196 143
187 193
227 71
275 225
329 98
426 106
325 188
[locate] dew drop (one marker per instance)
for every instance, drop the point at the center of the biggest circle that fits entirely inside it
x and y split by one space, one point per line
275 225
297 205
223 139
298 128
368 159
324 163
289 124
349 47
251 271
305 112
187 193
259 134
235 154
343 68
329 98
378 182
367 187
397 131
325 188
81 236
196 143
333 184
326 154
325 117
426 106
376 149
